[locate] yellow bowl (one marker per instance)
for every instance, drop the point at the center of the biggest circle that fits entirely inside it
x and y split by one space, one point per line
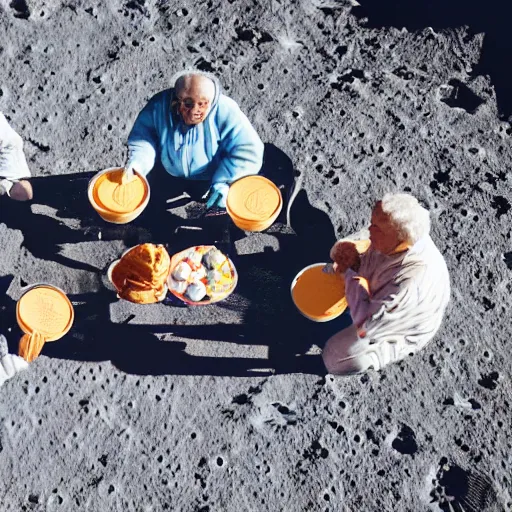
254 203
317 295
116 202
45 309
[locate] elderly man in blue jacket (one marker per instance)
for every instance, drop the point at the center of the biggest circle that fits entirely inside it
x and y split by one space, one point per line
198 133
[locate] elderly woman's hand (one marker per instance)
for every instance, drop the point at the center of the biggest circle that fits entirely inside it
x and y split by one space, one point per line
345 256
218 194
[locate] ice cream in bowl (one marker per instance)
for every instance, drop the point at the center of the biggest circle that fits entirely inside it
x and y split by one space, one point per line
116 198
319 295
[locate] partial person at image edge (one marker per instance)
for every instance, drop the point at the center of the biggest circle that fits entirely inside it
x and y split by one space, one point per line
397 290
198 133
13 164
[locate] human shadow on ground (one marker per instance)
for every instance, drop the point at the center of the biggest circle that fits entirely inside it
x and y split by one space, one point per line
262 299
493 20
61 214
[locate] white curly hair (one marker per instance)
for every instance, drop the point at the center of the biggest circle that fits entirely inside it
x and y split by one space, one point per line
180 80
409 218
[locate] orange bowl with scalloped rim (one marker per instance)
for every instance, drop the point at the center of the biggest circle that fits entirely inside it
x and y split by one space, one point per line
254 203
115 201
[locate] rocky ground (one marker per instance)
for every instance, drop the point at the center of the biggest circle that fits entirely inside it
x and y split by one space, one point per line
156 408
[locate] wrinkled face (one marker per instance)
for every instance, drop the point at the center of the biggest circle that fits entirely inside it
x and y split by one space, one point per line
194 99
193 108
195 94
383 234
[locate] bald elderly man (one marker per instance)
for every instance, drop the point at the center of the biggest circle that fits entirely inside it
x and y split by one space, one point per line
397 290
13 165
198 134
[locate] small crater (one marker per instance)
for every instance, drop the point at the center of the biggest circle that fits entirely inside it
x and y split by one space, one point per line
489 381
488 304
348 78
204 65
137 5
507 258
341 50
241 399
403 72
405 442
458 95
501 205
20 8
253 36
96 481
442 177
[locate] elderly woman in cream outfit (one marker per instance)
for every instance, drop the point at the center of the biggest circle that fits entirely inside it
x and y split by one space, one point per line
13 165
397 290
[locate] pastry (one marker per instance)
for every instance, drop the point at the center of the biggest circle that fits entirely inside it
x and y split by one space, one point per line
141 274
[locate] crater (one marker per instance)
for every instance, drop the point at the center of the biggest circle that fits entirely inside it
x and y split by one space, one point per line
405 442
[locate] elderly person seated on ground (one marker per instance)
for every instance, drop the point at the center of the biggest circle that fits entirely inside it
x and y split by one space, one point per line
397 290
10 364
197 133
13 165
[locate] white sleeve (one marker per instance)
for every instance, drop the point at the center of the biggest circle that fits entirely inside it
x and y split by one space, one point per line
13 165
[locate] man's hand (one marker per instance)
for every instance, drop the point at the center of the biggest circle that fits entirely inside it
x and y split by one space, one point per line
345 256
218 194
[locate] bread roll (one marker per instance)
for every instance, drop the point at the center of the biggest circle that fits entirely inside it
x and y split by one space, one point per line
141 274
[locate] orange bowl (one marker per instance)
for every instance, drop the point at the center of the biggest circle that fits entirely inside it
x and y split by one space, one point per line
254 203
114 201
317 295
45 309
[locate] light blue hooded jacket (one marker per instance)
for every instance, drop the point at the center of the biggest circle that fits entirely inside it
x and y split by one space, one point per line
223 148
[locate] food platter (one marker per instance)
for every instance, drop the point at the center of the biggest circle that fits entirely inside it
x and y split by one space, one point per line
208 266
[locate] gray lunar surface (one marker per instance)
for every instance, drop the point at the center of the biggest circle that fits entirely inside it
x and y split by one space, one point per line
151 408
